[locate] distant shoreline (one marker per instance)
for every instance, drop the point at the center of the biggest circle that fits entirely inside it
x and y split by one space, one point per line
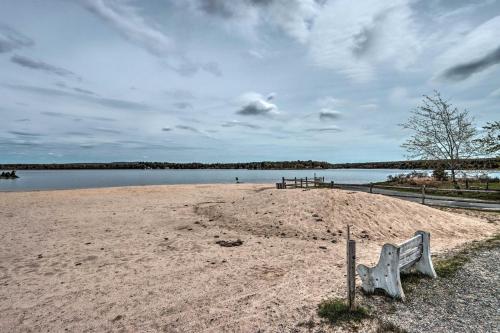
472 164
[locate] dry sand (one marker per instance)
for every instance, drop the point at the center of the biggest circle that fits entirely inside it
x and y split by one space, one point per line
145 258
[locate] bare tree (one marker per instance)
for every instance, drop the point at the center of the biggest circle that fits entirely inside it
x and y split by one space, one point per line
441 132
491 141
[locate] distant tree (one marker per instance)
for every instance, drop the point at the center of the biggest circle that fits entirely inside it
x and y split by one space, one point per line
439 173
491 141
441 132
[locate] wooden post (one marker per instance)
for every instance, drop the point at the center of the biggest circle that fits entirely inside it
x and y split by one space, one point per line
283 182
332 184
295 182
306 183
371 187
351 264
487 183
423 194
466 183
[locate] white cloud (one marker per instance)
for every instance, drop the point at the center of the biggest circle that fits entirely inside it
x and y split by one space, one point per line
369 106
257 54
293 17
132 26
353 37
11 40
127 20
495 93
330 102
470 49
254 104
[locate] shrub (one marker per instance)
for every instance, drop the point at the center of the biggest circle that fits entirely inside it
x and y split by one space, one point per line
439 173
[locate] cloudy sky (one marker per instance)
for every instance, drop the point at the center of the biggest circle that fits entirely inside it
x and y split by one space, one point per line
239 80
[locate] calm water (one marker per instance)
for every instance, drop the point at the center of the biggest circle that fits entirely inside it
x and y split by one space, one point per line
69 179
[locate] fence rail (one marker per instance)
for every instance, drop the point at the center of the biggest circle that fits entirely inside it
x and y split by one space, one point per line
423 193
302 183
435 189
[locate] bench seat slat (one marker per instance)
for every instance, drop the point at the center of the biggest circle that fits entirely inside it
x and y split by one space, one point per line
410 252
409 259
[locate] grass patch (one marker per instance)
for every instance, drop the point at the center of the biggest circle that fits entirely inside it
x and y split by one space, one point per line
335 311
447 267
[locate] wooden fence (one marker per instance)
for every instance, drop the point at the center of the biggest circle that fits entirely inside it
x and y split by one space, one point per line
303 183
423 193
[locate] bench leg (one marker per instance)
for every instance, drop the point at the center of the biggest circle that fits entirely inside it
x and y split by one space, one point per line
385 275
424 265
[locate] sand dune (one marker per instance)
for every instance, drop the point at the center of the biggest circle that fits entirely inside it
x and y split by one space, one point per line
146 258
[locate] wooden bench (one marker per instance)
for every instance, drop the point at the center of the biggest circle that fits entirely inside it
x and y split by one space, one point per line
415 252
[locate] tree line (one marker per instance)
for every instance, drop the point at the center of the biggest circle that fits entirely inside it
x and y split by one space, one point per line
468 164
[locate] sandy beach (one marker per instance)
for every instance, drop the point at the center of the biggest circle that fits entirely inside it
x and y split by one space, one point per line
146 259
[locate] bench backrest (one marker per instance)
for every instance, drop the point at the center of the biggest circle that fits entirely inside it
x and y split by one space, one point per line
414 252
410 252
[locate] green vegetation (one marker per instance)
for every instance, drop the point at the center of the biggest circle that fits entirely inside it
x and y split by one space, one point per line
471 164
434 184
447 267
491 141
439 173
335 310
8 175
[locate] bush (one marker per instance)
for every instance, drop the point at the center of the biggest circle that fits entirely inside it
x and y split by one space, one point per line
439 173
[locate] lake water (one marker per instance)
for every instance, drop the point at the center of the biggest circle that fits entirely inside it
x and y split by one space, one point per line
70 179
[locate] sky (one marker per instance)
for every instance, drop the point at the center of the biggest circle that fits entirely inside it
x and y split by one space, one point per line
236 81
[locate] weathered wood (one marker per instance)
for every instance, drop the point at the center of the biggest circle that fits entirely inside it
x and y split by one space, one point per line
351 273
385 275
411 243
414 252
423 194
371 187
409 259
424 265
410 252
